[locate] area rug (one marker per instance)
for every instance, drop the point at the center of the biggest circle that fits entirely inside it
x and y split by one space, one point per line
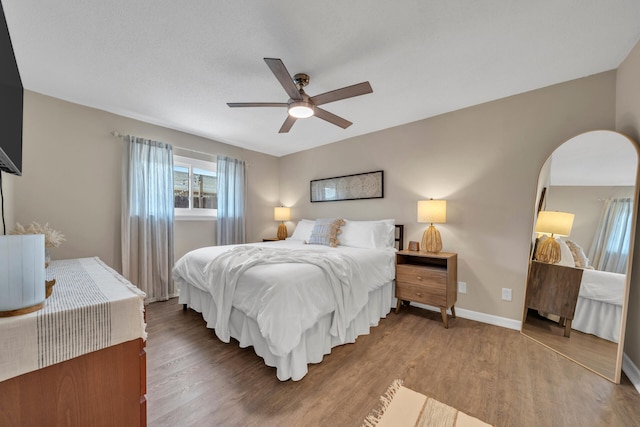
401 406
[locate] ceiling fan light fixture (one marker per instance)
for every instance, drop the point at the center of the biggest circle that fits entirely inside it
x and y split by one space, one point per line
300 105
301 109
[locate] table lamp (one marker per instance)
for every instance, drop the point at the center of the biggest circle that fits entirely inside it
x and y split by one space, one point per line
432 211
282 214
553 224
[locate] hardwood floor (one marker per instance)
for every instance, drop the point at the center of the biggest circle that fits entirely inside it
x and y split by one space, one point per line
492 373
588 350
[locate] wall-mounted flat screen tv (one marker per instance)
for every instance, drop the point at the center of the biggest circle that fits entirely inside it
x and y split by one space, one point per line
11 96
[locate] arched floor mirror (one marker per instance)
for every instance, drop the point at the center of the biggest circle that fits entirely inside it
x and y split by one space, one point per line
577 291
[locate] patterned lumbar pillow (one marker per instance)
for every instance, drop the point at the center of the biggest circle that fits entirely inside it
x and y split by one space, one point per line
578 254
325 232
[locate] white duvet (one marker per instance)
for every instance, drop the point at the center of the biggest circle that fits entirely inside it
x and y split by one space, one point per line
286 286
602 286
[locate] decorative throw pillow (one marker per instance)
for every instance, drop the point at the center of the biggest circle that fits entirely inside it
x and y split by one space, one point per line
578 254
325 232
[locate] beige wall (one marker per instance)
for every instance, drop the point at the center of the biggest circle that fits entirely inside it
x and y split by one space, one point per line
484 160
586 202
71 178
628 122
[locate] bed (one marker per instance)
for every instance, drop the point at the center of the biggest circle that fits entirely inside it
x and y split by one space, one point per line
290 300
598 309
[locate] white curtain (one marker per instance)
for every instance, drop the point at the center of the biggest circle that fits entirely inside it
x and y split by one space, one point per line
232 184
147 217
610 247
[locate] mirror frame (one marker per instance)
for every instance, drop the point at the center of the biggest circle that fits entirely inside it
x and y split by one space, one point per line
625 305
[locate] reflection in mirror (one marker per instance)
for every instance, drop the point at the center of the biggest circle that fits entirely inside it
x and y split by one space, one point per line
575 302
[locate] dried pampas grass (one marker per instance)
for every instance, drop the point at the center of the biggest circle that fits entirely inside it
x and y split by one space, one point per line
52 238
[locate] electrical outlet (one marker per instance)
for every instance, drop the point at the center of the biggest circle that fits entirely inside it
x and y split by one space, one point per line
462 287
507 294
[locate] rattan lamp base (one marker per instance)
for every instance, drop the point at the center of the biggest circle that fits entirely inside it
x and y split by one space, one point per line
282 231
431 240
548 251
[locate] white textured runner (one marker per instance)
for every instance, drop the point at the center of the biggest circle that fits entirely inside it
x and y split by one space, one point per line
92 307
401 406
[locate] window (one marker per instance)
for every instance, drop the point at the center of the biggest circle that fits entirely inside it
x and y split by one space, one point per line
195 187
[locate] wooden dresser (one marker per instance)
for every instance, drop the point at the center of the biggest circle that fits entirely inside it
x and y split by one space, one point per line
427 278
81 359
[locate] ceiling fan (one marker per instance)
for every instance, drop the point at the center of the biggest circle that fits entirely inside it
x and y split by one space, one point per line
300 105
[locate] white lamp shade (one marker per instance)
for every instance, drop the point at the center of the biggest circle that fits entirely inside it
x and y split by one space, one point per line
22 275
282 214
554 223
432 211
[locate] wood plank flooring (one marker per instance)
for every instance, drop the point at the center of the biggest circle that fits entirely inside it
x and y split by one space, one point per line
492 373
589 350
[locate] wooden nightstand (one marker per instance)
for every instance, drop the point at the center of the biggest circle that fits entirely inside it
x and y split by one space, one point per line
270 239
428 279
553 289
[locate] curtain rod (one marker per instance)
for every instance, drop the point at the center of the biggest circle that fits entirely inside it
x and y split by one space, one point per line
122 136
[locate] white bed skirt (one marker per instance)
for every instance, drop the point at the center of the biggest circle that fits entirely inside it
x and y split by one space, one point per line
597 318
315 343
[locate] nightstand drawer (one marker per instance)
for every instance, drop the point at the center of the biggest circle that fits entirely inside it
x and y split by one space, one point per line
435 278
432 295
429 279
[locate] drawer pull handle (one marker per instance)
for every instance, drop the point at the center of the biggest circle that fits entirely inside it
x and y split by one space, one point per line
418 294
418 277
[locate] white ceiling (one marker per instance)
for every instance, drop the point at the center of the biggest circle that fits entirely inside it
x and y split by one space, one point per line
177 63
600 158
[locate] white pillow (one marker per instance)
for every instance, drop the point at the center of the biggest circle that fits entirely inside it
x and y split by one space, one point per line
368 234
566 257
303 230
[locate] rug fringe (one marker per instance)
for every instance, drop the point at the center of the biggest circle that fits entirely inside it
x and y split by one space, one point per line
375 415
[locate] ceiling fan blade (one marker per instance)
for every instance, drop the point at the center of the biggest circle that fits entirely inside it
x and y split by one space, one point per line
280 71
257 104
332 118
287 124
344 93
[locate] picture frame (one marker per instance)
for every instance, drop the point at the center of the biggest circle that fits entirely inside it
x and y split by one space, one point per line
368 185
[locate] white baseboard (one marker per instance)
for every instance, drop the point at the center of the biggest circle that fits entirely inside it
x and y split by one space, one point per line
631 370
479 317
489 318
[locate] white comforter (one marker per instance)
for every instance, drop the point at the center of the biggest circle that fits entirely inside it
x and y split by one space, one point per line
603 286
286 286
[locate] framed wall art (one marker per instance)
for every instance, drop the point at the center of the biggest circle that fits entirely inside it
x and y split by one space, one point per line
367 185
